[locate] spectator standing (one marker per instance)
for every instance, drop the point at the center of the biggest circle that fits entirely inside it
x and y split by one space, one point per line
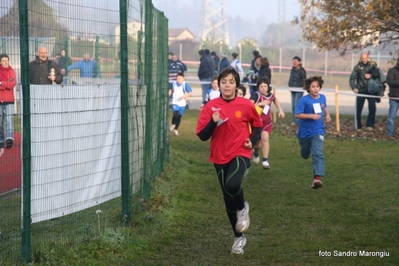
264 69
87 67
205 72
224 63
253 71
64 62
7 84
297 79
393 82
216 59
170 55
363 75
42 70
235 64
176 66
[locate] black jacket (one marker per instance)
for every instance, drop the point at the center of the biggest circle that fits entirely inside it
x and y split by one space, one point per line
393 81
357 79
264 71
297 77
39 72
206 68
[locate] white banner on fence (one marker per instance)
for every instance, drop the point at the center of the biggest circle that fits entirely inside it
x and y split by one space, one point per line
76 154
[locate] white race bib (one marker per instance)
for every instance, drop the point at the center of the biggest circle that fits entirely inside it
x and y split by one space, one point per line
266 109
317 108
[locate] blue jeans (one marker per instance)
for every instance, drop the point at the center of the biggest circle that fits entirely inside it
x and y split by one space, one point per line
9 121
314 145
393 109
205 86
295 96
372 110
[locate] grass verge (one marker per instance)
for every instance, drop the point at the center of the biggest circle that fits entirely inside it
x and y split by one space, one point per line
185 223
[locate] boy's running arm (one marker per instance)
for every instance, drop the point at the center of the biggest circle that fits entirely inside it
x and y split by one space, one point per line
308 116
328 118
185 96
206 132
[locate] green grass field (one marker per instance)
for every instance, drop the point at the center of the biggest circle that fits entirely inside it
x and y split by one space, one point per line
185 222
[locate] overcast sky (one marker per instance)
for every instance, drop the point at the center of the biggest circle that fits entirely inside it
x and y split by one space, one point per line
247 8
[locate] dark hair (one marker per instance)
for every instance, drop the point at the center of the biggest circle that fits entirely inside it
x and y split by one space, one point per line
214 78
235 55
265 80
3 55
181 74
201 52
242 87
264 61
297 58
309 81
227 71
170 53
255 53
213 53
207 51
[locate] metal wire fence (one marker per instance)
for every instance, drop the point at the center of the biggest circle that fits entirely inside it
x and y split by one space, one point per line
89 130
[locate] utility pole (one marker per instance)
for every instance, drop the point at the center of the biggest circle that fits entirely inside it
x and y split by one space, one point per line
281 20
214 21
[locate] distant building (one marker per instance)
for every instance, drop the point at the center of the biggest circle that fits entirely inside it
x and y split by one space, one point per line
132 30
176 35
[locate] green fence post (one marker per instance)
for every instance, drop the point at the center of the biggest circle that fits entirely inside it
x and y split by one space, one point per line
96 56
3 45
163 100
125 178
165 84
26 141
148 65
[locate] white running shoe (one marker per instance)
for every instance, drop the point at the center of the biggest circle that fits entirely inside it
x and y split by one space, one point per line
176 132
239 244
256 159
266 165
172 127
317 183
243 221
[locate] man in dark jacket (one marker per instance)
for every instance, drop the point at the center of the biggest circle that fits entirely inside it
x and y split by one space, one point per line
393 82
254 70
223 62
365 71
42 70
205 71
297 79
216 59
64 62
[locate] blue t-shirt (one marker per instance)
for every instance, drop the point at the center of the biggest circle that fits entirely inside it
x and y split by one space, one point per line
308 105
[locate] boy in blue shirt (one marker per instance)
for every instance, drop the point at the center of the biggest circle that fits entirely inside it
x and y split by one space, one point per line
179 91
310 111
